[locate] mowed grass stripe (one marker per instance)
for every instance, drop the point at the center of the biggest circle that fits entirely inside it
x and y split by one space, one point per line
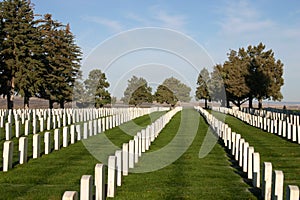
49 176
189 177
283 154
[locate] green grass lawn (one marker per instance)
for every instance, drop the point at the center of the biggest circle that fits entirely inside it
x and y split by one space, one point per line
189 177
49 176
283 154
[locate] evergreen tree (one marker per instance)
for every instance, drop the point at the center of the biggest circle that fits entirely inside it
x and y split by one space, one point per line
137 92
80 96
234 71
202 91
265 74
180 90
216 86
164 95
133 84
19 50
96 86
141 95
61 58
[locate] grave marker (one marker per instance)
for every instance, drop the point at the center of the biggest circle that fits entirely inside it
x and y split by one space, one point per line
23 148
86 187
100 181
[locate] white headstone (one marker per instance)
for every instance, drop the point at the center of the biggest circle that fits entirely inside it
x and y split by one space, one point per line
70 195
237 144
111 179
245 156
100 181
56 139
233 136
85 130
8 148
41 124
294 133
267 181
277 185
119 167
131 154
103 125
17 129
65 136
241 152
23 148
34 126
8 131
136 149
250 162
99 122
78 132
139 135
90 128
26 129
256 169
147 138
95 125
143 136
86 187
292 192
49 123
36 148
47 142
125 159
72 133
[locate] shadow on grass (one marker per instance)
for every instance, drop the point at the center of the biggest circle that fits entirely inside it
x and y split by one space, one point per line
238 170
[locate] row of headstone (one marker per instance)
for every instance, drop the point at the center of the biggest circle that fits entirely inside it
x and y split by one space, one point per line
39 120
70 134
249 161
119 163
281 128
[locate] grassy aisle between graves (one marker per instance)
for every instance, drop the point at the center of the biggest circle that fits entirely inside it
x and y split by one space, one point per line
283 154
49 176
189 177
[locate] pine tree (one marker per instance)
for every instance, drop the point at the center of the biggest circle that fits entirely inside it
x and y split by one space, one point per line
216 85
202 91
96 86
265 74
164 95
234 71
19 50
141 95
180 90
137 92
61 58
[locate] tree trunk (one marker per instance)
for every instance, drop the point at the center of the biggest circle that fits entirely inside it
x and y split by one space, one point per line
227 103
50 104
260 104
205 103
62 104
26 101
10 93
250 102
239 104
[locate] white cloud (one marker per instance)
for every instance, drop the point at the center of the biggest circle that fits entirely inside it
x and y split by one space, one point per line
239 17
113 25
176 22
159 18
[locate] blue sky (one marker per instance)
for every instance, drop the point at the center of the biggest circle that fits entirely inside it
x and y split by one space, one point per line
216 26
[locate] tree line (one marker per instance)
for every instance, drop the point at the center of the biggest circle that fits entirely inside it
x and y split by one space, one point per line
38 55
247 74
169 92
93 92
